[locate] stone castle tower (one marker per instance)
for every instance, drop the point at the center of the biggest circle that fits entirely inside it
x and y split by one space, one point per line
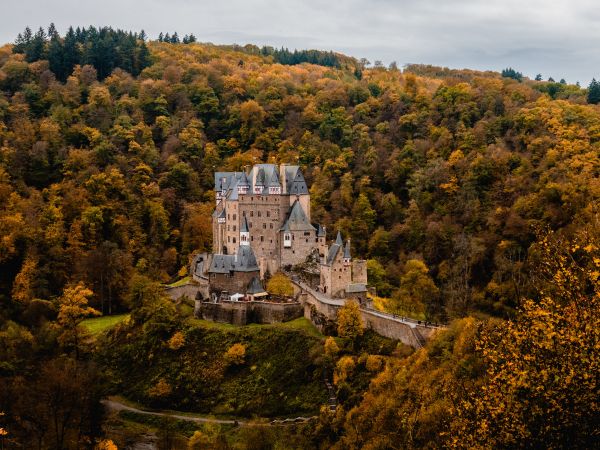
268 209
264 213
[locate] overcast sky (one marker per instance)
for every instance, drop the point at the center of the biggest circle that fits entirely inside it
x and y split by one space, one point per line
555 38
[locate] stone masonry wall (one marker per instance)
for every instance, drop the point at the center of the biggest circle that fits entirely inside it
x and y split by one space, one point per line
243 313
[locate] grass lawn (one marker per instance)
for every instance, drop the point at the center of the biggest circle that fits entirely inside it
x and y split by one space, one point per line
181 282
99 324
301 324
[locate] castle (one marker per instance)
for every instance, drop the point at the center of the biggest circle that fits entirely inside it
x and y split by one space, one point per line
262 225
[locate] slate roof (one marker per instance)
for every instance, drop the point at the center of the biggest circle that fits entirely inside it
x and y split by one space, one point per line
320 231
297 220
255 287
338 240
356 288
243 261
297 183
244 228
265 175
347 250
333 251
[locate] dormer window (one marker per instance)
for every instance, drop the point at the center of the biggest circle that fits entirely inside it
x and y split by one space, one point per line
287 240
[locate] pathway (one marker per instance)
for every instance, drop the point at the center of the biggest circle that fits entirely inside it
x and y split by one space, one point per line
116 406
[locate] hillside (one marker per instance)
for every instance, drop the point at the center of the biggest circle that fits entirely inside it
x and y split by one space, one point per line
473 197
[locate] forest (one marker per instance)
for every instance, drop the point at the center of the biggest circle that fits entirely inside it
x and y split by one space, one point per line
473 196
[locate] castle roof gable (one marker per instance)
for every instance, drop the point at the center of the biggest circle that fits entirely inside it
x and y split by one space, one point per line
255 286
297 219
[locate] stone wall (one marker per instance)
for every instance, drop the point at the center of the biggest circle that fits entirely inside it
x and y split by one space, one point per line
232 284
243 313
322 311
189 290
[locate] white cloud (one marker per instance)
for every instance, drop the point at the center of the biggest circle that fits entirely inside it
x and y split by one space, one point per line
556 38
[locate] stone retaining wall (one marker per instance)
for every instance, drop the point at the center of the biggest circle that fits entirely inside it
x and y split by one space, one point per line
323 312
189 290
243 313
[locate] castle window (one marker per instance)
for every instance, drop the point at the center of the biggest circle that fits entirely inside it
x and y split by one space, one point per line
251 213
228 217
264 226
228 237
243 213
262 238
268 213
234 228
227 227
234 217
252 238
234 240
271 226
259 214
306 233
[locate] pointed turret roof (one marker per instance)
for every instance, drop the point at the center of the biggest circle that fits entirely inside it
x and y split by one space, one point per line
255 286
297 220
320 231
244 228
347 250
298 186
260 177
274 181
338 240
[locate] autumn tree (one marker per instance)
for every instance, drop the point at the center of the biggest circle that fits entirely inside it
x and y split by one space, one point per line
73 309
236 354
280 286
542 376
349 321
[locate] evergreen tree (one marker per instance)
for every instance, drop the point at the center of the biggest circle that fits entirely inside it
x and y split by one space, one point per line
71 54
538 77
36 49
593 96
161 37
512 73
56 54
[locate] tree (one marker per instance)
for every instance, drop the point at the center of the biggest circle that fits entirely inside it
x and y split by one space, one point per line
542 372
538 77
512 73
236 354
349 321
417 292
593 95
280 286
331 347
73 308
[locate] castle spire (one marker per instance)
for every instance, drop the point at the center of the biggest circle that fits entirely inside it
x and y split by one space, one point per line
338 240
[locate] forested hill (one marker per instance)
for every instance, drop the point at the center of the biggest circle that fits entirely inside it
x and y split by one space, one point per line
443 179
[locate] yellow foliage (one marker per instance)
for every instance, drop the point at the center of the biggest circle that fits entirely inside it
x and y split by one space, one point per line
350 323
177 341
343 369
280 285
331 347
160 389
236 354
106 444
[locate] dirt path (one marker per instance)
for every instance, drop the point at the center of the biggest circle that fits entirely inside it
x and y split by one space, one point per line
116 406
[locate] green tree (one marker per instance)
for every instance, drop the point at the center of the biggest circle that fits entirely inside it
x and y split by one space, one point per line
593 95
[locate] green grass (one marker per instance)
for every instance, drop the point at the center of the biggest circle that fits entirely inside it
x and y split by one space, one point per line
302 324
99 324
180 282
